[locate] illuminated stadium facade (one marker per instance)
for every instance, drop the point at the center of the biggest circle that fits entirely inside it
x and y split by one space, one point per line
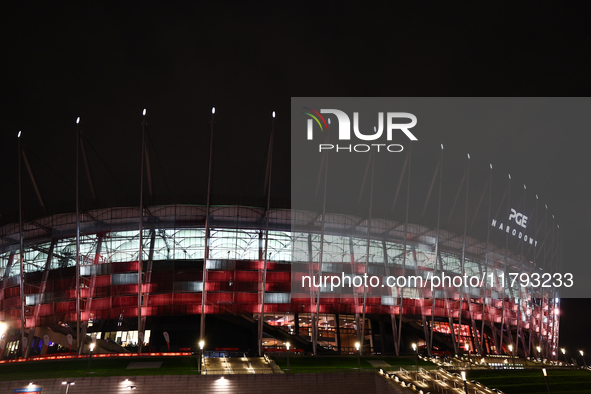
153 278
237 285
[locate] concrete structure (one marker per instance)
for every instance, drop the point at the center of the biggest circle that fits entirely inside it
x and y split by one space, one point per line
329 383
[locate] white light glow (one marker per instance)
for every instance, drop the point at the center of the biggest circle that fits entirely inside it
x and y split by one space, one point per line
544 371
468 156
524 187
92 347
464 375
78 120
201 344
491 166
441 146
213 110
273 113
3 328
509 176
19 134
144 113
223 382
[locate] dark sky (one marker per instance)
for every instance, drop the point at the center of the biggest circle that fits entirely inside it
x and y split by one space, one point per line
107 62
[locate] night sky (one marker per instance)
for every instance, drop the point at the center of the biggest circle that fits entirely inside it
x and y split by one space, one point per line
107 62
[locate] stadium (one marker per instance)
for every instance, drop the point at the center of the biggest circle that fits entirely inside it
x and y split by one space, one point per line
231 279
240 280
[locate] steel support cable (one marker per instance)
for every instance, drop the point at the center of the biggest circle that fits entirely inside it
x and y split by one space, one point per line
158 161
49 167
103 162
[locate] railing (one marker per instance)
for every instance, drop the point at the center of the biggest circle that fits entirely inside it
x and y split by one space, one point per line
333 370
71 356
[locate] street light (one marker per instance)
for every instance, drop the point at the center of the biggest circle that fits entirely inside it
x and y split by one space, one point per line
358 347
512 355
583 356
416 350
89 358
201 344
563 350
465 383
68 384
546 378
287 345
539 349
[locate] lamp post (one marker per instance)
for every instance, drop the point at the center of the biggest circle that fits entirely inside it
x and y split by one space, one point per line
465 383
539 349
67 384
287 345
201 344
467 347
583 357
358 347
512 355
416 350
89 358
563 350
546 378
